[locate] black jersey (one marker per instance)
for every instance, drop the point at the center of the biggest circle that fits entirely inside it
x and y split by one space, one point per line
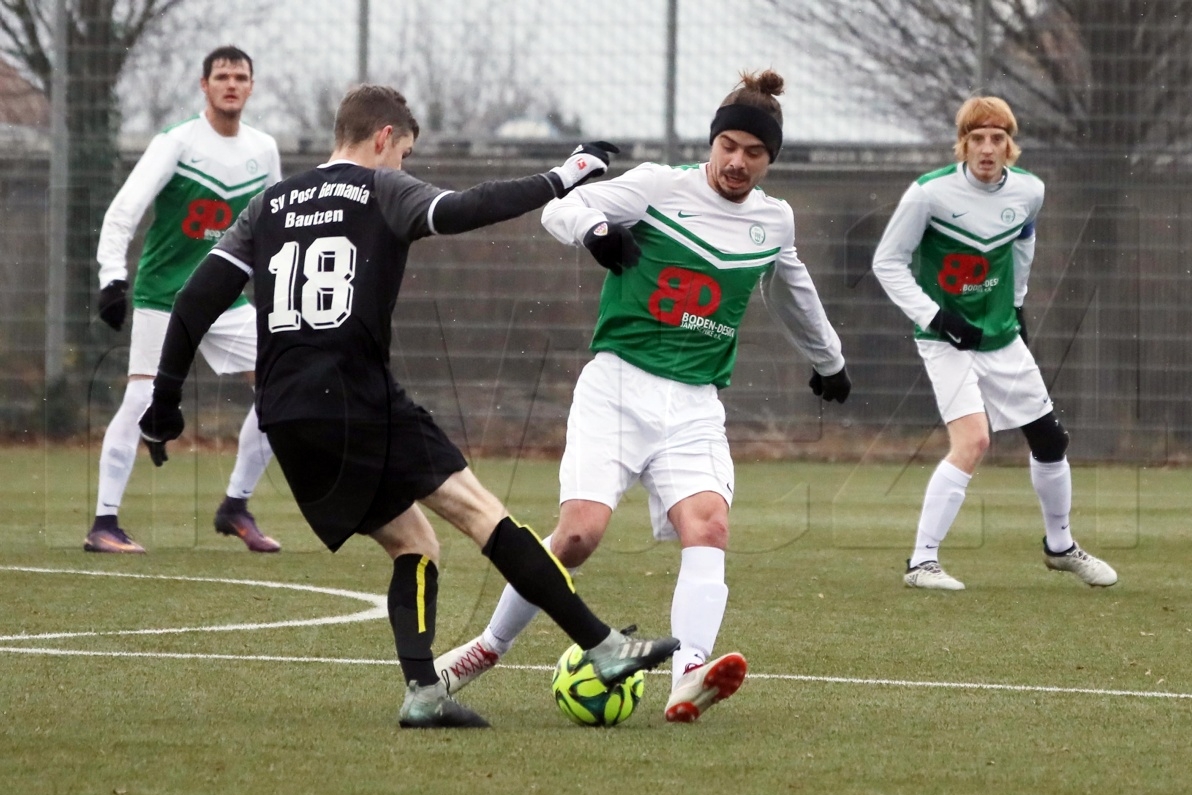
327 249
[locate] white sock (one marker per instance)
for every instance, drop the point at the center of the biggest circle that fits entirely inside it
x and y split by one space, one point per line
941 503
512 615
119 451
697 607
1053 484
252 456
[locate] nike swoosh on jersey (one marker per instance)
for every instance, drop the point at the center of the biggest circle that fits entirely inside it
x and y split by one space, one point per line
683 214
952 336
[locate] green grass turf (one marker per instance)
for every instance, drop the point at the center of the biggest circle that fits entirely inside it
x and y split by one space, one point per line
815 572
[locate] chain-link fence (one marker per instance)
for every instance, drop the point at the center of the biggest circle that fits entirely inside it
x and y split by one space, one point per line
493 325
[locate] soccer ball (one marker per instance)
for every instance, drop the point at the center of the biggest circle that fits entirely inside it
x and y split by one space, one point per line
582 697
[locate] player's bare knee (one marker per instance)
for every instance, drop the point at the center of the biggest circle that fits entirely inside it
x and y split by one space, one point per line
978 445
966 451
710 532
573 547
409 534
1048 439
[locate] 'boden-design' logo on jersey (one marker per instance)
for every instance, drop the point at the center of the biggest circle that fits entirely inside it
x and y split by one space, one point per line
965 273
206 219
686 299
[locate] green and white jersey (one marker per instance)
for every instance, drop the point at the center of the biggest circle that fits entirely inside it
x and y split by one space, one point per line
198 182
957 243
677 313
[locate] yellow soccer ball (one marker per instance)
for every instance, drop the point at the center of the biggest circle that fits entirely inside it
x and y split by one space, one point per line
583 698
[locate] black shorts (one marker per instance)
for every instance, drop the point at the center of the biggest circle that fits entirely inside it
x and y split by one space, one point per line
355 477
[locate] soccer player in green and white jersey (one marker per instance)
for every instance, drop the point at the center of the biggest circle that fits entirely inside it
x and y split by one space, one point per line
647 406
955 258
198 175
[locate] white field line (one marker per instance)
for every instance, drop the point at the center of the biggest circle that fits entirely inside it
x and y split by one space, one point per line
1088 691
379 611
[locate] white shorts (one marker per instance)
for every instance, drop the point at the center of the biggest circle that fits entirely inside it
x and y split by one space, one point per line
627 425
1005 384
230 346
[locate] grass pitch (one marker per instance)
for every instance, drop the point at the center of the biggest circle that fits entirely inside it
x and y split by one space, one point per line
1026 682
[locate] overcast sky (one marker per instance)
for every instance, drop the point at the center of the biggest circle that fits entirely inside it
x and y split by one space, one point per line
603 63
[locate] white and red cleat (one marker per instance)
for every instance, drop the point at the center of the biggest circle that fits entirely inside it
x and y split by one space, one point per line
701 686
462 665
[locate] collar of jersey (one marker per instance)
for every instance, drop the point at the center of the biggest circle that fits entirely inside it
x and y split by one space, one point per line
984 186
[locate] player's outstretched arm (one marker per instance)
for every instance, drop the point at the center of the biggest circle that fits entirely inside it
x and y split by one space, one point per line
214 287
500 200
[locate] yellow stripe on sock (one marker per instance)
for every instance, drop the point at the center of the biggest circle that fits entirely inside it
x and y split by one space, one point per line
563 569
421 598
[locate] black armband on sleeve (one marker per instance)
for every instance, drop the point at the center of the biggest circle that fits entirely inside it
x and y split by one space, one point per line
490 202
212 288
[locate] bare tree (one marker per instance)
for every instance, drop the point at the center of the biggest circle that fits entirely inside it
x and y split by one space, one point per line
159 84
463 77
1104 86
470 87
101 35
1099 74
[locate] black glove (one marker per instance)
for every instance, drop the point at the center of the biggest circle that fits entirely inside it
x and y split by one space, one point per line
831 387
113 303
962 334
586 161
162 422
613 246
1018 313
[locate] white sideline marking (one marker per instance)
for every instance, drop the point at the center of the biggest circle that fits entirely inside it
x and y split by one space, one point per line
1089 691
166 655
380 610
848 680
379 607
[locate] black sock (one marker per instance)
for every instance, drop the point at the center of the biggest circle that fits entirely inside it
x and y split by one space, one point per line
413 594
235 504
105 522
541 580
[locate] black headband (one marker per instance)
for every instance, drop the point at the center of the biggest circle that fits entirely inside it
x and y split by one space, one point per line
752 120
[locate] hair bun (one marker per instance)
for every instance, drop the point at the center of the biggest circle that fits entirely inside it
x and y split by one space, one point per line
768 82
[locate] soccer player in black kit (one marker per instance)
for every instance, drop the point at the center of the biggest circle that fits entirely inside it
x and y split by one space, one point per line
326 251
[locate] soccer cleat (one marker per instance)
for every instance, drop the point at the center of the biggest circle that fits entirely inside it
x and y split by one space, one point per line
928 574
1089 569
240 523
431 707
618 656
464 664
701 686
111 540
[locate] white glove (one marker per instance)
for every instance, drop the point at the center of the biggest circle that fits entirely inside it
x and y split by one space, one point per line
586 161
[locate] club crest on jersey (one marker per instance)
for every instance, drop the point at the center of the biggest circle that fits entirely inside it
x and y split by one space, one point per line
1008 215
757 234
252 166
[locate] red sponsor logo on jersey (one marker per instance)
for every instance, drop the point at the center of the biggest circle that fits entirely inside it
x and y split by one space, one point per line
680 292
960 270
204 216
